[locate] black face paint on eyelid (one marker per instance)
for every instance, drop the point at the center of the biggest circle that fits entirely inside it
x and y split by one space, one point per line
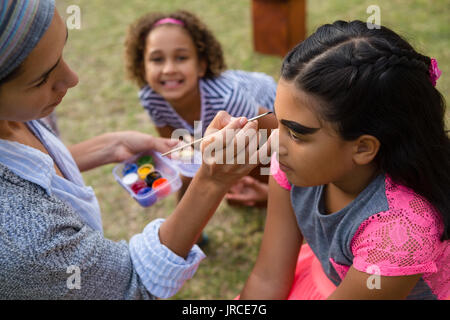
298 128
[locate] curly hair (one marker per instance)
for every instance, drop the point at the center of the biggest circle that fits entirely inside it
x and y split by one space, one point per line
208 48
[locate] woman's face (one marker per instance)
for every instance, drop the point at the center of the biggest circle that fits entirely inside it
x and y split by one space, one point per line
172 66
43 80
311 152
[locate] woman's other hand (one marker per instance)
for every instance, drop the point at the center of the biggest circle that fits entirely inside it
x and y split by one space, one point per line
130 143
116 147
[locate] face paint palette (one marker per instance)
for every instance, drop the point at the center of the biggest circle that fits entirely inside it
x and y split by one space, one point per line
148 177
187 161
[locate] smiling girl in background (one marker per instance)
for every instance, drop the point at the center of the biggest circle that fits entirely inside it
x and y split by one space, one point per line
179 67
178 64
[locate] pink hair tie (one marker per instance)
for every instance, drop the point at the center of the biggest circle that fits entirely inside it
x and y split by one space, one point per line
168 20
435 73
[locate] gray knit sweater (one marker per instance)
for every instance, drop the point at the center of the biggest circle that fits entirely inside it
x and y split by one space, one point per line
41 238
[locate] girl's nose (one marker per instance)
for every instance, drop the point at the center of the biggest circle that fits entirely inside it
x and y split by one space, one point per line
169 67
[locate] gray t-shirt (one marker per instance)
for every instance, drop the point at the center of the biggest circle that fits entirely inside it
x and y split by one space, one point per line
330 235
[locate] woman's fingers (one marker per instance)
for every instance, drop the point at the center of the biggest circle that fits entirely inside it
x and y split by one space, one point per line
220 121
217 146
231 150
163 145
246 144
264 153
254 152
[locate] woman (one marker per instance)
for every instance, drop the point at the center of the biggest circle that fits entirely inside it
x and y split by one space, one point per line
49 220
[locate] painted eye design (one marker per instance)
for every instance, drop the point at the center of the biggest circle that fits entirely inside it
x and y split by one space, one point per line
295 136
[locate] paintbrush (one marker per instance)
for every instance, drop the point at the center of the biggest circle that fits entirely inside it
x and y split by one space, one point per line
199 140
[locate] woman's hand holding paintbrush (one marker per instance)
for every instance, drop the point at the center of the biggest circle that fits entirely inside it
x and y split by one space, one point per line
193 143
214 178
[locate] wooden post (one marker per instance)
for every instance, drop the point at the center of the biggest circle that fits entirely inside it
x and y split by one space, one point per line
278 25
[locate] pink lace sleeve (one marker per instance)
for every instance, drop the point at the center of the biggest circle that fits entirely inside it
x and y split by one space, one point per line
404 240
277 174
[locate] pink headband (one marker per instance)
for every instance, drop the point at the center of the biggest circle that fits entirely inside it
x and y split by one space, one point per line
169 20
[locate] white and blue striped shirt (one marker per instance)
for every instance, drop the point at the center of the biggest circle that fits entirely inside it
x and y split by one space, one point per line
240 93
161 271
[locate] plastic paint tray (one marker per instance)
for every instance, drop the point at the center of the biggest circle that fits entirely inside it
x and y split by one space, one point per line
190 167
164 166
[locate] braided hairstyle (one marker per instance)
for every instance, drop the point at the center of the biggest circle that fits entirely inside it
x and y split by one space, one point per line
372 81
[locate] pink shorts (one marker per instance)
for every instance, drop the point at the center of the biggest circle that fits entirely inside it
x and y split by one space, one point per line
310 282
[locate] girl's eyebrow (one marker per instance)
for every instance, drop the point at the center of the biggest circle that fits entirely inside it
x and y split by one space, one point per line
182 49
299 128
46 74
159 51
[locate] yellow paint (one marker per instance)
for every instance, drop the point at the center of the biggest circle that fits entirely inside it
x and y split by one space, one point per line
144 170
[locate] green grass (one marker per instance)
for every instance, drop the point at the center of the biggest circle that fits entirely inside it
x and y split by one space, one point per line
105 101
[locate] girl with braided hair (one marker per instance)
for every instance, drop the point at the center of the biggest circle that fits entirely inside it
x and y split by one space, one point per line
362 173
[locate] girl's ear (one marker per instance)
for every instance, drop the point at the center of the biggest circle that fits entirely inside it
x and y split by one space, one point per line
365 149
202 66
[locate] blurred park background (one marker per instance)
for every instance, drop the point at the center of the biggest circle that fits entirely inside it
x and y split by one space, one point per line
106 101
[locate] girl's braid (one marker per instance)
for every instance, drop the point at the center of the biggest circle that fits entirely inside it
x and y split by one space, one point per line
392 57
